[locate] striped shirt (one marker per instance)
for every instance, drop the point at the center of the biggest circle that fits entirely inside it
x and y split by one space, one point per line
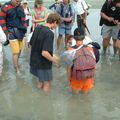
6 14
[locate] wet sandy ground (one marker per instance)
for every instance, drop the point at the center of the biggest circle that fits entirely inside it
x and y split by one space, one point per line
21 100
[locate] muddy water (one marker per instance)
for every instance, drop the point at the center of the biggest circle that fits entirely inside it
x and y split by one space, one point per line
21 100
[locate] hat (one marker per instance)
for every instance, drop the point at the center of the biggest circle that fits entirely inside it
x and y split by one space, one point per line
79 33
60 0
24 1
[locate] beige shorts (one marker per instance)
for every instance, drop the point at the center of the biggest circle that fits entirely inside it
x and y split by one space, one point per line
110 31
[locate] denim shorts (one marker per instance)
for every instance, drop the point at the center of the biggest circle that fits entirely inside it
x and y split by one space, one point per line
42 74
64 31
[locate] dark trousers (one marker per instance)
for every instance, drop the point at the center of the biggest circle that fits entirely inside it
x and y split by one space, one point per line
80 22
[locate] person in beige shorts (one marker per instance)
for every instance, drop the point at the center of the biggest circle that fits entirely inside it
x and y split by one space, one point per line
110 15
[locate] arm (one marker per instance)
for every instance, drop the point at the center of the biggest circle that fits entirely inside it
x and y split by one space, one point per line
104 16
52 6
42 19
53 59
3 18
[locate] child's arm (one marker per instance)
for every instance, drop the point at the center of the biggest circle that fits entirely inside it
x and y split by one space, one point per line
68 69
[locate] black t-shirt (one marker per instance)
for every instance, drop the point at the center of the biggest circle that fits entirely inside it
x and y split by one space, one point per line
112 11
42 39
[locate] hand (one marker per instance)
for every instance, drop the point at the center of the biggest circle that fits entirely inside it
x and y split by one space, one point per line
116 22
56 61
68 19
34 21
84 21
110 19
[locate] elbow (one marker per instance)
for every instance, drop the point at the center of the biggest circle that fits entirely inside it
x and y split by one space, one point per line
44 53
101 14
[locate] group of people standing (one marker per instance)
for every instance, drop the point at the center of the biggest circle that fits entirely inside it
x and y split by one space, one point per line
14 20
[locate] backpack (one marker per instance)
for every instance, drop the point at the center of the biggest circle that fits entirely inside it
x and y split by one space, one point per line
84 64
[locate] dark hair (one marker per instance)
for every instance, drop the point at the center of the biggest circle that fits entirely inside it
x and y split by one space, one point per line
79 33
53 17
38 2
116 1
70 36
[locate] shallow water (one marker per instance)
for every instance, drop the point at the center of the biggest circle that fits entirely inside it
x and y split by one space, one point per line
21 100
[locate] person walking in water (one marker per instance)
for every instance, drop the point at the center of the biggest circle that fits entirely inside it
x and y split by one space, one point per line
12 21
81 65
109 16
42 57
66 13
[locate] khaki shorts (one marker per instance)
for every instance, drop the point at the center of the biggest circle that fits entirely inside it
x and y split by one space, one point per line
16 45
110 31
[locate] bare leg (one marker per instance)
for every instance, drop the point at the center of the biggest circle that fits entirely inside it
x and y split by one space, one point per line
15 62
68 69
106 42
46 86
59 42
114 47
40 85
66 40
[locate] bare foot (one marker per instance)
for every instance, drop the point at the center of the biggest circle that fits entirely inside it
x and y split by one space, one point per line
17 71
46 87
39 85
75 92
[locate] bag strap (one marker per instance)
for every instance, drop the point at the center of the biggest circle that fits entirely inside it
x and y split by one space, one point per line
69 10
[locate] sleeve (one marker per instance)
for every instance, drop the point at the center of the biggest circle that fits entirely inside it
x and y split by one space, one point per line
58 10
52 6
84 4
3 14
46 11
33 13
104 8
23 17
2 36
48 42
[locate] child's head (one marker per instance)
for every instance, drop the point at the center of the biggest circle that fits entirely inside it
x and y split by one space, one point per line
79 34
58 1
71 41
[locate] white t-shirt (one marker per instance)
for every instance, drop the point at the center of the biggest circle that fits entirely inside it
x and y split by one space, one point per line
79 7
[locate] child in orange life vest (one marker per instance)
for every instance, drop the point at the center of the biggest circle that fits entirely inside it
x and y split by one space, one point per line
86 84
